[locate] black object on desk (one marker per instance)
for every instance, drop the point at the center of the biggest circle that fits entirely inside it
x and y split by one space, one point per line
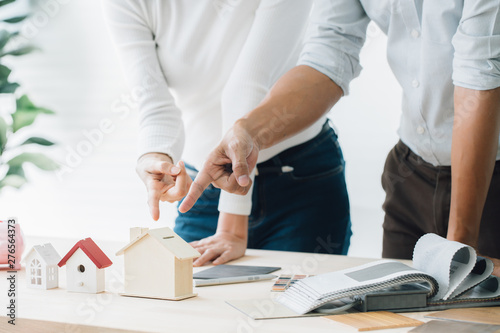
407 296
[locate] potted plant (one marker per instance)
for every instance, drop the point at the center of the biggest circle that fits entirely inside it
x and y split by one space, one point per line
17 112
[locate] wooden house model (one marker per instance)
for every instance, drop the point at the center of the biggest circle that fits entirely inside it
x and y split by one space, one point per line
42 271
85 264
158 264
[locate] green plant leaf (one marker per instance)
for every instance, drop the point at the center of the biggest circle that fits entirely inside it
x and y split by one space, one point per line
8 87
15 177
4 73
16 19
16 170
4 38
26 113
38 141
3 134
25 103
20 51
40 160
5 2
22 119
13 180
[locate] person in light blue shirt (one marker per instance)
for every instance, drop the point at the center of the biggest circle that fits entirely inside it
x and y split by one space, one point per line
446 57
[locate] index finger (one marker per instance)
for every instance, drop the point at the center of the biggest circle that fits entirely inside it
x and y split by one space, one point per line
200 183
154 203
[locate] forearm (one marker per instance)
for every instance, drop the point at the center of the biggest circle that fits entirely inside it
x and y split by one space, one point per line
296 101
233 224
474 147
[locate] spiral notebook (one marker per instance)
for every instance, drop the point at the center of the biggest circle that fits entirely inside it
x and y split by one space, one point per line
452 272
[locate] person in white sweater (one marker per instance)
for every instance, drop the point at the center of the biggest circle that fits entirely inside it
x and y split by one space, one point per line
196 66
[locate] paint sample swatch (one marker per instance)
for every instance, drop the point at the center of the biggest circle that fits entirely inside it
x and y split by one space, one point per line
377 320
285 281
221 271
484 315
438 326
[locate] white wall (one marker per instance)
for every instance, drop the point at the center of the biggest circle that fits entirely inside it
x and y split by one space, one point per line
367 121
77 75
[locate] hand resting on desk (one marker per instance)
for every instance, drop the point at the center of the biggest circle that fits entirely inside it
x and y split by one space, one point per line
228 243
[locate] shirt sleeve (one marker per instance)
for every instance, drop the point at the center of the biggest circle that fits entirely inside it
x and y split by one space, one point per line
161 128
272 48
336 34
476 64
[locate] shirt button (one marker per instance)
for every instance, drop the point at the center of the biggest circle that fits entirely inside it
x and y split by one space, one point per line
415 83
415 33
420 130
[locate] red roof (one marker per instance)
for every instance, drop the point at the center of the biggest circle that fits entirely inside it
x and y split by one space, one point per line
91 250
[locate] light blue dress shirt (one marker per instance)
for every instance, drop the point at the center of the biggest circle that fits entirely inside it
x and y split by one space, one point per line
432 46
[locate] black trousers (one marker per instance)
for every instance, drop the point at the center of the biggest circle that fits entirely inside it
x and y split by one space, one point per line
417 202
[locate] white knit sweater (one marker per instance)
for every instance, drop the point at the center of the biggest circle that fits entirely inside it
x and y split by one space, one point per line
196 66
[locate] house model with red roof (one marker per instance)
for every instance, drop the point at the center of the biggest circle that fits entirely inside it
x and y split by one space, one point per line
158 264
85 264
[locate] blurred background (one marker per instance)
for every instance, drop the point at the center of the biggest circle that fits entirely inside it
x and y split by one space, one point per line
96 192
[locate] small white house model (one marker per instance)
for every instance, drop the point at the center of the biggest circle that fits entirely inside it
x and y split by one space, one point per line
85 264
158 264
41 267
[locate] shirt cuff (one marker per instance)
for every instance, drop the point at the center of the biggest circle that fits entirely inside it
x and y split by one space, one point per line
332 64
152 139
235 203
476 64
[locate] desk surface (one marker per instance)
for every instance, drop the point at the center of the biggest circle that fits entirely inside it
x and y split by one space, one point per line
207 312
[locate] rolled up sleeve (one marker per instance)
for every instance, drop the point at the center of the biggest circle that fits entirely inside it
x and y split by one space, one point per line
337 32
476 63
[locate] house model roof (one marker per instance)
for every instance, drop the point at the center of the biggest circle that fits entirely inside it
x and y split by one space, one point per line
92 251
169 240
46 252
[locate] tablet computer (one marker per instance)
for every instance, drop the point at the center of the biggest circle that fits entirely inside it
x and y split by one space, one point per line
221 271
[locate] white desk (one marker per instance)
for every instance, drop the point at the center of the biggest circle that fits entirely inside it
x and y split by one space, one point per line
207 312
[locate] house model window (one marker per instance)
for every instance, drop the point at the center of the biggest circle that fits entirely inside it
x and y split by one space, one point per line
36 272
52 273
